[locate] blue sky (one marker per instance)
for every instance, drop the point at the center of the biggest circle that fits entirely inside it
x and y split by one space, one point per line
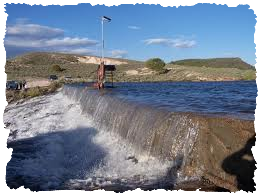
136 31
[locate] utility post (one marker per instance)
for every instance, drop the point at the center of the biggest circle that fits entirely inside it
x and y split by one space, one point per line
101 68
104 18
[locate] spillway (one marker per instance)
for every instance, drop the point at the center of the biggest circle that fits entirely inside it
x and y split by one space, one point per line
204 146
81 138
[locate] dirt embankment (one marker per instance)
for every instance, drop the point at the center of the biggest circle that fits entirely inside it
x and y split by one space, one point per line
37 82
9 96
97 60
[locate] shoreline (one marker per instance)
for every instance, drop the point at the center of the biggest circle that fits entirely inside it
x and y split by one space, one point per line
13 96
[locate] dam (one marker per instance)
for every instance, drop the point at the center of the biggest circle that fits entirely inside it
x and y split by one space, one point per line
124 139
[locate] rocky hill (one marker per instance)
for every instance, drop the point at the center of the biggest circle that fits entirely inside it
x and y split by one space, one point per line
40 65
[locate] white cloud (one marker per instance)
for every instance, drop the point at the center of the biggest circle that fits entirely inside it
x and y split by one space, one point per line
23 36
22 20
177 42
67 41
157 41
134 27
43 43
33 31
118 53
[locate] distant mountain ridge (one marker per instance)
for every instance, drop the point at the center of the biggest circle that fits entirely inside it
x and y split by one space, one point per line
215 63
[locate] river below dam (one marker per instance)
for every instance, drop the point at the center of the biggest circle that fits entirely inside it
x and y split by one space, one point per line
136 135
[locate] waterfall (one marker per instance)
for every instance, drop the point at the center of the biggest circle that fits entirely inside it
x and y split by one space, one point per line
199 143
157 132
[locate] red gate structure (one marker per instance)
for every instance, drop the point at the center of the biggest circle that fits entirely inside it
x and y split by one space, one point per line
105 75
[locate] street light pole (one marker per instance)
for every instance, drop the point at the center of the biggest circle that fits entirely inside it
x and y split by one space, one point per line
104 18
102 43
101 67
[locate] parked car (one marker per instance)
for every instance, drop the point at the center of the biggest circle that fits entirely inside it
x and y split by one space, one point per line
11 85
53 77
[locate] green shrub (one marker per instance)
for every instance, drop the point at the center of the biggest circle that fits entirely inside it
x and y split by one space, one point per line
249 75
155 64
33 92
22 94
54 86
56 68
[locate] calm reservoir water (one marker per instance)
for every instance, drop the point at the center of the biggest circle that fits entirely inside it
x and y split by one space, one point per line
235 99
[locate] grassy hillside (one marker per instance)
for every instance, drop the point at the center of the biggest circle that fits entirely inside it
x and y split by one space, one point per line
39 65
215 63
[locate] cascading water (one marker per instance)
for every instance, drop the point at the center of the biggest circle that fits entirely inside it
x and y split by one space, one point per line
80 138
158 133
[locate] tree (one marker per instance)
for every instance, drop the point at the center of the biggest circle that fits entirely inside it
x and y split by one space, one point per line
156 64
56 68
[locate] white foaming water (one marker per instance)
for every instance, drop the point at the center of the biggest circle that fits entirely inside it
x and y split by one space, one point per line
55 147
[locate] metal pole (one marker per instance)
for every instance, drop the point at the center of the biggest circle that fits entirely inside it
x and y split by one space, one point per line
102 43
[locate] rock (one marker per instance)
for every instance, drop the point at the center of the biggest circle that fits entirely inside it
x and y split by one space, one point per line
133 159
